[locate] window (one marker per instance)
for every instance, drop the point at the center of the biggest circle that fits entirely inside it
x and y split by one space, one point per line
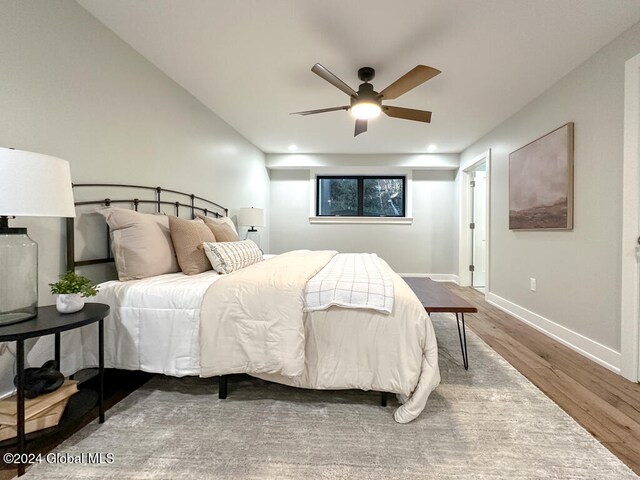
360 196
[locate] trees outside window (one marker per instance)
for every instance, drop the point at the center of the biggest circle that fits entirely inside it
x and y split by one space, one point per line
360 196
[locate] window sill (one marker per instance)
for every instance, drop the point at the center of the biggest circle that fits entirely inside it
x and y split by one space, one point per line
363 220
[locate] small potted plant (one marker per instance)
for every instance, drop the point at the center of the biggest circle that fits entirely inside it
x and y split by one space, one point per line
71 291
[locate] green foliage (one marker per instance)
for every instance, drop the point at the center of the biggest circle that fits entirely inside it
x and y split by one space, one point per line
343 199
71 282
383 196
380 196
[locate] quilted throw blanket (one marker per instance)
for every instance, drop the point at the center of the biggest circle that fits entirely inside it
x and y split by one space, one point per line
351 280
251 321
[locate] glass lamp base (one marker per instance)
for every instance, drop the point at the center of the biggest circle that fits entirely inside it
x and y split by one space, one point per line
18 276
8 318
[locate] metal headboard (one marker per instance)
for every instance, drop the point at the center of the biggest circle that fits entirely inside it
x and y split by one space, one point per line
195 204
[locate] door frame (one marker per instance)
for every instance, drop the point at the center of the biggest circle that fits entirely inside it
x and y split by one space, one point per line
630 294
464 214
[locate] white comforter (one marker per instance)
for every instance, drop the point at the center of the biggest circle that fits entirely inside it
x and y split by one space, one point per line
252 321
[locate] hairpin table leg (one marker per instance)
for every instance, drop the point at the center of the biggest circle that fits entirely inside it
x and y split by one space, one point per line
462 335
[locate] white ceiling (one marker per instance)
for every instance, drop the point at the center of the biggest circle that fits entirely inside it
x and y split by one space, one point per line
249 61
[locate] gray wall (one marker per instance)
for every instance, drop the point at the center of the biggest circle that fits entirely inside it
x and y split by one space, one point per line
577 272
70 88
426 246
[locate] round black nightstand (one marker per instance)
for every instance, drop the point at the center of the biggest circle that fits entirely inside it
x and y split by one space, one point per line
48 322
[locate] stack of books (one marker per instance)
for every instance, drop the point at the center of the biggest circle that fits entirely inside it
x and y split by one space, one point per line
39 413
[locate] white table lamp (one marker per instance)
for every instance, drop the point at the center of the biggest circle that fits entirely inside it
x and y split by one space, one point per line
252 217
31 185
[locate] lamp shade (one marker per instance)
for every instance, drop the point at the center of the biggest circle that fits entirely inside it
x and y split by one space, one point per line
34 185
252 217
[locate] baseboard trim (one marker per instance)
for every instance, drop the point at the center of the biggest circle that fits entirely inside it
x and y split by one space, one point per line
601 354
436 277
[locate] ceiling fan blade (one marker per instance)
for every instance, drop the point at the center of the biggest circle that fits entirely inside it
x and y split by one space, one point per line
333 80
361 127
409 80
407 113
322 110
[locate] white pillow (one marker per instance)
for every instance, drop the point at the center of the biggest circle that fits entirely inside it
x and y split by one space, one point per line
218 221
227 257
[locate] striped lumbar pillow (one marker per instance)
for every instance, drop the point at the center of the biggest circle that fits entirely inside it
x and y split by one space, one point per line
227 257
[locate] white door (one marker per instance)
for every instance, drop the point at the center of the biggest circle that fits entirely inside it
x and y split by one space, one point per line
479 231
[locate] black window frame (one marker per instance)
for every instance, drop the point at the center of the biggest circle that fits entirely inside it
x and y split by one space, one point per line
360 189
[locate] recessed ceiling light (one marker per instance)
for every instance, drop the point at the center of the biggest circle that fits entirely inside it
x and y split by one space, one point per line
293 148
432 148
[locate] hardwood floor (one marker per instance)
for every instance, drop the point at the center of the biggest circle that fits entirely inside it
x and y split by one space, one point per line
605 404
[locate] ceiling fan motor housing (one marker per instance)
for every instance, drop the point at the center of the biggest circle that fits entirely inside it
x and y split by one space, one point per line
367 94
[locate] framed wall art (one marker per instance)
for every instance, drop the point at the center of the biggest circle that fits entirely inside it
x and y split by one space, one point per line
541 183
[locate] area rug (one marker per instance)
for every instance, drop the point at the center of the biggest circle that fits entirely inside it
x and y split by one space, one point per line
485 423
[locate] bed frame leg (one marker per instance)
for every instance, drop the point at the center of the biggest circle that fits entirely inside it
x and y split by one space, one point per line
222 387
383 399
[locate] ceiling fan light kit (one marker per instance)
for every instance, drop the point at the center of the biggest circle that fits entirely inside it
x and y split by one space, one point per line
365 110
366 103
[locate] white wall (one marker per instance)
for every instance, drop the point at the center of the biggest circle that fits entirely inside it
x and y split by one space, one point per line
578 271
426 246
70 88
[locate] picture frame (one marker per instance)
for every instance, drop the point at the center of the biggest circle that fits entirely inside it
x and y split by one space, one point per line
541 182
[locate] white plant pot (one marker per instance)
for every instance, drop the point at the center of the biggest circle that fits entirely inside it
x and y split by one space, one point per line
69 302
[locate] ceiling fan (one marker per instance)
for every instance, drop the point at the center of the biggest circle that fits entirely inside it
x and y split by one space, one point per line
366 103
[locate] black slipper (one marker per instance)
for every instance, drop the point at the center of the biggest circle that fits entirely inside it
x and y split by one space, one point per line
52 364
41 380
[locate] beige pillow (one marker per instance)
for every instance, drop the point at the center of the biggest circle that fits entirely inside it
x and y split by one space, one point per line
141 243
223 232
187 237
218 221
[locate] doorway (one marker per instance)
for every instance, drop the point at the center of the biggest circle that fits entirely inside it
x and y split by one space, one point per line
630 301
474 249
478 226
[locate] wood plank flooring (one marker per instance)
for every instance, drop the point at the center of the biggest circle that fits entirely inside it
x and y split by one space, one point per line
605 404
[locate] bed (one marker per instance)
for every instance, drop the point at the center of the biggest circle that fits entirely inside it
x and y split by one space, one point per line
254 321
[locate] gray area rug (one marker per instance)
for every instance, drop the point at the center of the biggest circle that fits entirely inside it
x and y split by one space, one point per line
488 422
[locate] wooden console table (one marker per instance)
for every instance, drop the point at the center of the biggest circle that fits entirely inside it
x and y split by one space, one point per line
436 298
